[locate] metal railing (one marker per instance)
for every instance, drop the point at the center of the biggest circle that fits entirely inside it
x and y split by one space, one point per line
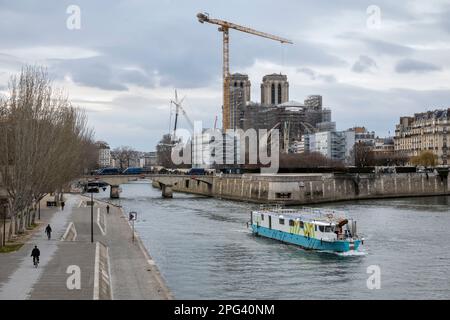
319 212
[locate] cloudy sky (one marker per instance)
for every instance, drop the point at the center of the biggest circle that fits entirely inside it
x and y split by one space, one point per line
124 62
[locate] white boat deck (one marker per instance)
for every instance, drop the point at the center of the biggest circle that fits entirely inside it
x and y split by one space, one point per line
326 216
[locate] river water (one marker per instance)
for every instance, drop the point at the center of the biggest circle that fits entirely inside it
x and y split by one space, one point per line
204 250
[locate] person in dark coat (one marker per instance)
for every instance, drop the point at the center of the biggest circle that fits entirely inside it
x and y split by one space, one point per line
48 231
62 205
107 208
35 254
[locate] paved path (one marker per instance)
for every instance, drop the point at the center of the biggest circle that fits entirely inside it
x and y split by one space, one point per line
19 284
132 274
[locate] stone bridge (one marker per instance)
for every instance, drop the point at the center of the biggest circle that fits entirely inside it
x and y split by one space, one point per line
165 182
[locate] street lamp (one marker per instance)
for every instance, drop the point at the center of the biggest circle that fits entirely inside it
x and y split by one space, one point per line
92 216
91 191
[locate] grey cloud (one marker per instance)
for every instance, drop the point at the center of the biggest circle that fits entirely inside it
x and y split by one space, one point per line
378 110
163 37
444 20
88 72
385 47
136 77
313 75
411 65
364 64
381 47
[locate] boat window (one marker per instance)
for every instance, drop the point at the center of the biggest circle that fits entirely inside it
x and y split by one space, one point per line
329 229
315 227
281 221
291 223
321 228
301 224
262 217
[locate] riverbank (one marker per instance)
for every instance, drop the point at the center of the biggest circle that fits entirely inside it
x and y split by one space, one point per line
304 189
73 267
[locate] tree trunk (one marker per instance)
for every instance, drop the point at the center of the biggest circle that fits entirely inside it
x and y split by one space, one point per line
33 216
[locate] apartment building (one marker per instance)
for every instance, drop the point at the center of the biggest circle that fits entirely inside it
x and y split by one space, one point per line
425 131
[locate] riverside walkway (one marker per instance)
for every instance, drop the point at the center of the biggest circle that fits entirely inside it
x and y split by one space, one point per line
71 267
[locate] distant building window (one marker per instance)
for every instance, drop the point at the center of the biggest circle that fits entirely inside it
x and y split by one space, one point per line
281 221
273 94
283 195
279 93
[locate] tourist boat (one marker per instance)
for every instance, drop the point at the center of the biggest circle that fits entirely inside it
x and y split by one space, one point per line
309 228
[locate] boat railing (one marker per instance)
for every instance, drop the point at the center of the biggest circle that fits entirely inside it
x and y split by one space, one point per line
320 212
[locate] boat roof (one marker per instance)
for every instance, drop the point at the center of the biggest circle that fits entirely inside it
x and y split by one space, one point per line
316 215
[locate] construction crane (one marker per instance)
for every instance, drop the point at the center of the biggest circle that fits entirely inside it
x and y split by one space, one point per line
178 108
224 27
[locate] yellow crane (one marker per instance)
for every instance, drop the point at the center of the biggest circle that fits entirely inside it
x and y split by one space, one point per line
224 27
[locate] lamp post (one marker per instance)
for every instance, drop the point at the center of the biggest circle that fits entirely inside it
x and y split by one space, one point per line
92 216
91 191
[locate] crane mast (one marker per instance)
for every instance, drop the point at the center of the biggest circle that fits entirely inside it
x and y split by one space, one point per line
224 27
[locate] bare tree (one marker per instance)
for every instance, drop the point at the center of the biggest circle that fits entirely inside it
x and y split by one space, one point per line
125 155
164 151
43 142
363 155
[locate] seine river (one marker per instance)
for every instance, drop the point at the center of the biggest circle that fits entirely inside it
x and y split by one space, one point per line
204 250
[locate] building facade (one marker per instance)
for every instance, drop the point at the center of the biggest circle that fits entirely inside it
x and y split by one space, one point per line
335 145
104 154
425 131
213 148
384 145
150 159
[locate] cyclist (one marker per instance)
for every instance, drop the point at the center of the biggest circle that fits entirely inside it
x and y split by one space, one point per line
35 254
48 231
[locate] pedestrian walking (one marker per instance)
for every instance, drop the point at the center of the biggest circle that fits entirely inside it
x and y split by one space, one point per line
62 205
107 208
48 231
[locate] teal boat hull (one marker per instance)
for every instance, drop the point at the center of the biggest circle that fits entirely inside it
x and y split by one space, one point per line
306 242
